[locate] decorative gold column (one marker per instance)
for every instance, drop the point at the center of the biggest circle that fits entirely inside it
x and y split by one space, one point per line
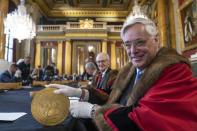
3 14
68 58
172 24
37 57
161 8
104 46
59 57
113 55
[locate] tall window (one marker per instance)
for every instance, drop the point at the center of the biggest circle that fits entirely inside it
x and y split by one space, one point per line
9 48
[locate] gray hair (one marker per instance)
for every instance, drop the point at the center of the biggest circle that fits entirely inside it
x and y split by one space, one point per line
104 54
90 65
150 26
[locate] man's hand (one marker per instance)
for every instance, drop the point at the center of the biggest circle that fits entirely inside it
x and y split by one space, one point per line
81 109
67 90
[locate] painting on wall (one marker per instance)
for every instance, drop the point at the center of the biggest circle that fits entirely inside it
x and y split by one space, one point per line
187 13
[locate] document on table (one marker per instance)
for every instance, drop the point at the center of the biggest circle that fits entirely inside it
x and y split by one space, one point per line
11 116
73 99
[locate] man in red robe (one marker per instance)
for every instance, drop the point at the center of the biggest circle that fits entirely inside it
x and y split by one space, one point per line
163 96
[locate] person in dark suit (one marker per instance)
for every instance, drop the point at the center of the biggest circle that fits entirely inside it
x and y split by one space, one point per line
55 70
9 74
85 75
37 74
24 66
52 69
107 76
91 69
40 72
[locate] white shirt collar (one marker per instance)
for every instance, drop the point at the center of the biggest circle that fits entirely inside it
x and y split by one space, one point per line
140 70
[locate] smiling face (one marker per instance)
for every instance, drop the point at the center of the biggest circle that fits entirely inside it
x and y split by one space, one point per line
140 46
102 62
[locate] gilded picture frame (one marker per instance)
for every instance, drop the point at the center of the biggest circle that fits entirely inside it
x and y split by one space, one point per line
187 20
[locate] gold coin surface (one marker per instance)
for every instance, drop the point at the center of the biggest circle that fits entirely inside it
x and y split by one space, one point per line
50 109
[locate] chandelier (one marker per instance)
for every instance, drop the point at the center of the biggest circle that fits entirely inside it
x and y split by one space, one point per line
19 24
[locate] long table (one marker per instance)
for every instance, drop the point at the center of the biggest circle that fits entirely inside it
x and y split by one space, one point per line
19 101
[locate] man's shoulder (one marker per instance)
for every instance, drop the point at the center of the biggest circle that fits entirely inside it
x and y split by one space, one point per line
166 57
4 73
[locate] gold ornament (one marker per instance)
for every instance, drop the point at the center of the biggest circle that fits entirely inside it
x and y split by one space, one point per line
86 24
50 109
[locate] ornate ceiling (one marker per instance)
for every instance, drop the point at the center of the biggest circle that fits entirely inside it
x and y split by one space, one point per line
101 10
88 4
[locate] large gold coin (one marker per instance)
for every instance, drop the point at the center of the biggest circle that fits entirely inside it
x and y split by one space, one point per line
48 108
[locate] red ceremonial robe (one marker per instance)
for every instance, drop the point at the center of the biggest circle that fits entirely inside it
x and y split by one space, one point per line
169 105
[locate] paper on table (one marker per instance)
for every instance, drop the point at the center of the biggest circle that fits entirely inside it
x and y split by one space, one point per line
73 99
11 116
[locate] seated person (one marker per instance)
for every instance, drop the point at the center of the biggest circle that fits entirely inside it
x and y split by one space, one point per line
11 75
85 75
92 71
47 76
40 72
24 66
34 74
56 71
65 77
52 68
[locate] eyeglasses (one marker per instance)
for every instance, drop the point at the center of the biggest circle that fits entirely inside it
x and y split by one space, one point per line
137 43
101 61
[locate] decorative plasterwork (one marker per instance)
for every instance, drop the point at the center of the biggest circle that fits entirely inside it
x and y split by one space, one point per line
85 35
79 12
86 24
82 13
111 19
49 38
78 36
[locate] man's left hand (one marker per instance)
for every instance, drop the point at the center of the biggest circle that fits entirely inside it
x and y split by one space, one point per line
81 109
